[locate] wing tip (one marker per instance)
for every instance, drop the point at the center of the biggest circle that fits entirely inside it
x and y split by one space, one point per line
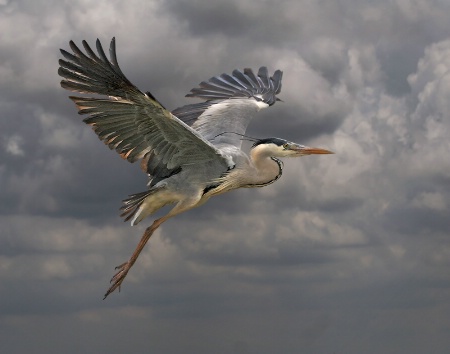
241 84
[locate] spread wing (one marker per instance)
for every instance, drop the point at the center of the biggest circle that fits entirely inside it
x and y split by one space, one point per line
129 121
231 102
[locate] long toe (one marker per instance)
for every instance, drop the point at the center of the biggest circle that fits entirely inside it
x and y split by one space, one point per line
121 265
118 278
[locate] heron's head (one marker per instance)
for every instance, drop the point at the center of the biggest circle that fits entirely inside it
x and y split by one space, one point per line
277 147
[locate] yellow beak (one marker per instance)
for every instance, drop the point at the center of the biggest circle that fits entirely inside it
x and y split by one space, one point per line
313 150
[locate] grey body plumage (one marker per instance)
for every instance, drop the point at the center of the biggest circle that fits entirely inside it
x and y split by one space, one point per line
189 154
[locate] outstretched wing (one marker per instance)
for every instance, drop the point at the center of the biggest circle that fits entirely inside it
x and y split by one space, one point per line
129 121
231 102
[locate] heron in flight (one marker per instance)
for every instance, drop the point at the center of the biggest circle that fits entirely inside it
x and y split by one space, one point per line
190 154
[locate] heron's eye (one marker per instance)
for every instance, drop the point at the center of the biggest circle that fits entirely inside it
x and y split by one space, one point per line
286 146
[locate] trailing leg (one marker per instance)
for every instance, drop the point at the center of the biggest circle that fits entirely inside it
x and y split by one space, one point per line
123 269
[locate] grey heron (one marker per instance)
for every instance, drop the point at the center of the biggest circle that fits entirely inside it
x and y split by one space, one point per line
190 154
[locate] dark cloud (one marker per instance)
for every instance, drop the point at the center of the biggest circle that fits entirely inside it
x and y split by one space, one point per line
417 221
234 19
345 253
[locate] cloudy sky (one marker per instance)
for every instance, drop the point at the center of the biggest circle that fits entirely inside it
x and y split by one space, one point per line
347 253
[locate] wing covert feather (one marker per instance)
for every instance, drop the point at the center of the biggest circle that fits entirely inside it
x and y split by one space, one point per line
231 102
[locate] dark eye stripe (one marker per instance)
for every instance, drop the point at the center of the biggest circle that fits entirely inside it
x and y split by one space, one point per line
276 141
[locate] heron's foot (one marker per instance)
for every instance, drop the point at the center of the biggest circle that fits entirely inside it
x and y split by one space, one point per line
119 277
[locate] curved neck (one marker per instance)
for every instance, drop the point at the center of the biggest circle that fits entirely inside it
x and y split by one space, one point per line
267 169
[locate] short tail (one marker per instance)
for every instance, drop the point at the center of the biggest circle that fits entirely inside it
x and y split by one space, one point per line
132 204
136 207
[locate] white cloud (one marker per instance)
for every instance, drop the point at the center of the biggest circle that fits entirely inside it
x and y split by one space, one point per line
13 145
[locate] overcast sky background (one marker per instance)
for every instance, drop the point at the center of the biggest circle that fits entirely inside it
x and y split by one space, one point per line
346 253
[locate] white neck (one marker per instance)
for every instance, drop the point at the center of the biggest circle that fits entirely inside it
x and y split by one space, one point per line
260 170
266 169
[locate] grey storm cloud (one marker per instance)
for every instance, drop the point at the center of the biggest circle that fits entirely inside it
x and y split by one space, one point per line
347 253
